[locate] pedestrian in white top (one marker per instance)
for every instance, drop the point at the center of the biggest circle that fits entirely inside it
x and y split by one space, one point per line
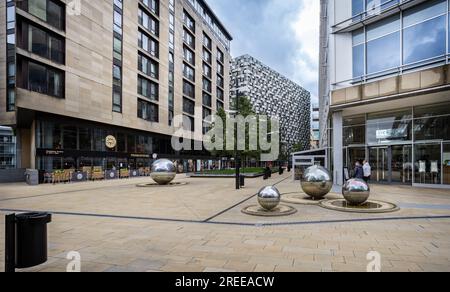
367 171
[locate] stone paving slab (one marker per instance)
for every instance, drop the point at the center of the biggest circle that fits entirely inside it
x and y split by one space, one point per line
116 244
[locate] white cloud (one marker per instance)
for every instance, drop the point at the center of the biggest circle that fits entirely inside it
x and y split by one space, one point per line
306 29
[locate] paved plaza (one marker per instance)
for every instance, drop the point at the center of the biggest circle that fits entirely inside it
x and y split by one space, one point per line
117 226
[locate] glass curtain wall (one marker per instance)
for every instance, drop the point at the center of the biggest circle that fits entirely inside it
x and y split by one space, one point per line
403 146
413 38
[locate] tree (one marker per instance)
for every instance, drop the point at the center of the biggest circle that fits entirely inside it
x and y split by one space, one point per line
245 110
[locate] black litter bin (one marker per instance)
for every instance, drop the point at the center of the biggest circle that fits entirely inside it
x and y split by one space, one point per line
31 240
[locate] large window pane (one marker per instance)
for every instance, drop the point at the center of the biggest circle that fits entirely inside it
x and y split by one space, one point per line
357 7
425 40
446 163
424 11
383 27
38 8
388 128
358 61
427 164
383 53
433 128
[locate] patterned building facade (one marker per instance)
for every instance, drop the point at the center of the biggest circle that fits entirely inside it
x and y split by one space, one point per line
276 96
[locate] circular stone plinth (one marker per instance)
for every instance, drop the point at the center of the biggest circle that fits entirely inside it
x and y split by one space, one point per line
155 185
281 210
368 207
299 199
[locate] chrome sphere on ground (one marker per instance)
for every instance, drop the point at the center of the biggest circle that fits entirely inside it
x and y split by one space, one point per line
269 198
317 182
163 171
356 192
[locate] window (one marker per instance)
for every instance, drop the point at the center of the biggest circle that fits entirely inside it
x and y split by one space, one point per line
383 45
148 111
424 37
43 79
149 22
219 94
206 85
220 56
117 56
188 89
207 100
207 56
207 70
117 75
148 44
207 114
189 56
220 81
188 106
117 48
188 72
153 5
117 101
189 21
189 39
220 69
414 38
219 105
38 8
358 53
49 11
117 22
44 44
188 123
148 88
207 41
148 66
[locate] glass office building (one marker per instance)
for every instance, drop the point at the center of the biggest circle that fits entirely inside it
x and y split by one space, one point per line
385 89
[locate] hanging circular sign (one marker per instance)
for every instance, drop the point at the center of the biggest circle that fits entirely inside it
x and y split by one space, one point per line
110 142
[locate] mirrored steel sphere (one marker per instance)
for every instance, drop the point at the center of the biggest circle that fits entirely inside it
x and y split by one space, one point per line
163 171
317 182
269 198
356 192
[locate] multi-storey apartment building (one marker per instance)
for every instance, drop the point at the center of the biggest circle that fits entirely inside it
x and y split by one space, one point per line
274 95
385 89
98 83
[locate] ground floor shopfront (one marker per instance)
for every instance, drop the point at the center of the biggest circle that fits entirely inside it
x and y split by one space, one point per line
408 144
58 143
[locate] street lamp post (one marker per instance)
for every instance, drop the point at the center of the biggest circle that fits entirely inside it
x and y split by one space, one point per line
236 152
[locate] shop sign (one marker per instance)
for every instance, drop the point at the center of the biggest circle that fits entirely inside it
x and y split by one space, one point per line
140 156
54 152
390 133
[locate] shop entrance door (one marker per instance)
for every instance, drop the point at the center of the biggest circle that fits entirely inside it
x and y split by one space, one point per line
401 164
392 164
379 160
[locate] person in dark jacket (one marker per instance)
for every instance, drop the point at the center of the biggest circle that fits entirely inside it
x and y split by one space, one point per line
359 171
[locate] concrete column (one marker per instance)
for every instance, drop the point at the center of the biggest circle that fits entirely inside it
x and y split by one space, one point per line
338 161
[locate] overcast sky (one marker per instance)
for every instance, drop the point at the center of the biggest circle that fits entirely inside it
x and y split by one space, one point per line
283 34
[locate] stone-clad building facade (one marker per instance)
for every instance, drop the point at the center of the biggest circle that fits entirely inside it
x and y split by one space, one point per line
276 96
74 73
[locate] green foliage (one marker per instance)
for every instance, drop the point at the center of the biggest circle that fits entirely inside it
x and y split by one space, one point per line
245 110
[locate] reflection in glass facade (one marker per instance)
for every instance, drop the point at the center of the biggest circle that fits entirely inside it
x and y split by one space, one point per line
405 146
417 35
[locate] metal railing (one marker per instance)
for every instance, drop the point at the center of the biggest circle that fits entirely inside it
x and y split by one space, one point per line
372 13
